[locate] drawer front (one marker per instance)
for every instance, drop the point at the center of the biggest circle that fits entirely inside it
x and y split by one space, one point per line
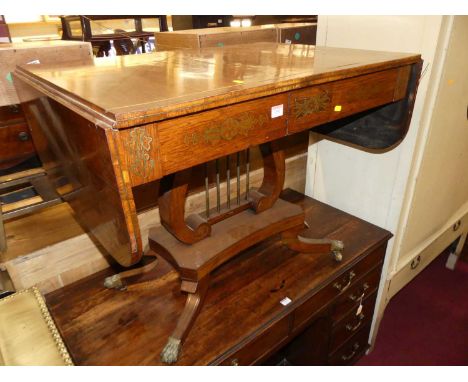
348 280
15 142
351 299
312 306
320 104
341 288
355 320
11 114
191 140
256 349
351 351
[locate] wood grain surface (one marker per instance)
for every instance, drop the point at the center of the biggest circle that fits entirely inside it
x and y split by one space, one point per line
129 90
108 327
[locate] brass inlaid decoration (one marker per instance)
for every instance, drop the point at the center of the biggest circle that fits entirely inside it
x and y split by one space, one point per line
311 105
139 159
237 126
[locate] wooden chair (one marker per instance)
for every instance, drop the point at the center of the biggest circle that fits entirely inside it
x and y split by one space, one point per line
123 46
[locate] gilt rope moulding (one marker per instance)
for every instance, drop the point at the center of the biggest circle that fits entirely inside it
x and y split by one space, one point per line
28 335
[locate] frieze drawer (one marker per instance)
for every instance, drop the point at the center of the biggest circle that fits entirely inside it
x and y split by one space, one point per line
198 138
261 345
15 142
354 321
325 103
11 114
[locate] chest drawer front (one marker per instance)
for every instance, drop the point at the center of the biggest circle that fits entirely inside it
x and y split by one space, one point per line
198 138
363 287
352 349
348 280
258 347
11 114
321 104
352 322
312 306
15 142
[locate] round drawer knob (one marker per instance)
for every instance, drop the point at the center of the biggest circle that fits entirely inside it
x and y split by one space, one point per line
23 136
235 362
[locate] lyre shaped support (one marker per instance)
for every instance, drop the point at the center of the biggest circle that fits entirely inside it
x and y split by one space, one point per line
195 262
273 178
172 212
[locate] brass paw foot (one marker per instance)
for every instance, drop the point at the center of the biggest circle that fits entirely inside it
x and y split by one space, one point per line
170 353
115 282
337 247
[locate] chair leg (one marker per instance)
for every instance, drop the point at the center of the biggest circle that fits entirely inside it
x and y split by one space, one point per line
117 281
293 240
44 188
195 298
454 256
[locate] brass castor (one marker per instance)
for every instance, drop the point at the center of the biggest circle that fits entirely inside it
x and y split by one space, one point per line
170 353
115 282
337 247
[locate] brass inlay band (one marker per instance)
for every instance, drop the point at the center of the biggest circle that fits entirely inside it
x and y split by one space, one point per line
237 126
311 105
139 159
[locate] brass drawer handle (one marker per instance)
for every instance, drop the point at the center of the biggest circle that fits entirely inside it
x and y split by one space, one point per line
342 288
23 136
353 297
351 328
352 354
235 362
14 108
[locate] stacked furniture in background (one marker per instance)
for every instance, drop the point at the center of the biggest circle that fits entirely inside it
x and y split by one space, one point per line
291 33
24 189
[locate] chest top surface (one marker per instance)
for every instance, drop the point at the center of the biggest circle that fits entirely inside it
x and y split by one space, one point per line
129 90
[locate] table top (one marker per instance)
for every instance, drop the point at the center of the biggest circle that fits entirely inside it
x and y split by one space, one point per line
128 90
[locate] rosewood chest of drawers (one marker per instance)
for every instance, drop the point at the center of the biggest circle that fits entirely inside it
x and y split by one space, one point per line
265 306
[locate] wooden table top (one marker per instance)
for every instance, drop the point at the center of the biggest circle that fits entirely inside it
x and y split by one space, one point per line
128 90
109 327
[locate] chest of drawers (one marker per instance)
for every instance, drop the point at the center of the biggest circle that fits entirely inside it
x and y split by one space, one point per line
15 141
267 304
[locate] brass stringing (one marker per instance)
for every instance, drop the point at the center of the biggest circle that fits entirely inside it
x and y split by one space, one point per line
227 130
310 105
139 146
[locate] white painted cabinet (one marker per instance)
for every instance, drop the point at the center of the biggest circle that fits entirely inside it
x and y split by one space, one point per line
418 190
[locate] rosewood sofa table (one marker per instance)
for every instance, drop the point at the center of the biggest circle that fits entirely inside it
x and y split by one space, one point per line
118 124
